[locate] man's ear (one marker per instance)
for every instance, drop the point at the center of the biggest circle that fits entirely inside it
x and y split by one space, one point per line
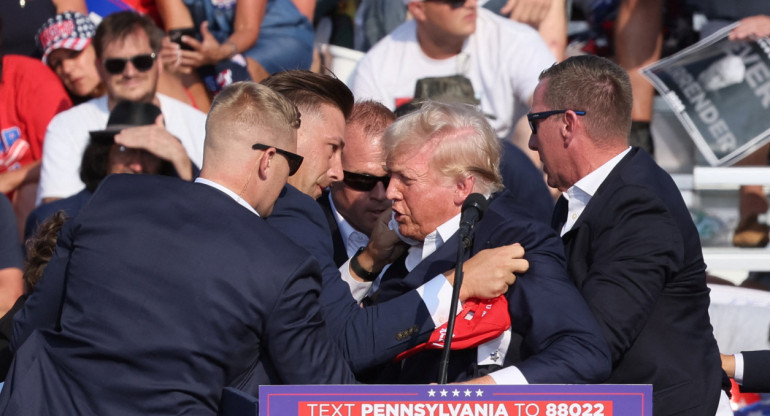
266 163
572 124
417 10
463 188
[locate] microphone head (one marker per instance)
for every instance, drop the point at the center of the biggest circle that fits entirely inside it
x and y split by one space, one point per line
476 201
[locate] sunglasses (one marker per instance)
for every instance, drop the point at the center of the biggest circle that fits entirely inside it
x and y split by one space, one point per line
142 63
293 159
534 118
453 4
363 182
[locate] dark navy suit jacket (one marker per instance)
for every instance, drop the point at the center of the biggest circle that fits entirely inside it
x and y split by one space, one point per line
756 371
636 257
160 294
338 245
367 336
71 206
561 341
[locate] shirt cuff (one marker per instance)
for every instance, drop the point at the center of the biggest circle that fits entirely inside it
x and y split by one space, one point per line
738 368
358 289
508 375
437 296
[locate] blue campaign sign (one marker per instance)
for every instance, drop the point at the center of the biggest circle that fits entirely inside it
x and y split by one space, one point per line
456 400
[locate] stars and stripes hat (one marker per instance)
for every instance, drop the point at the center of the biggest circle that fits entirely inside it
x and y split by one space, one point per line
68 30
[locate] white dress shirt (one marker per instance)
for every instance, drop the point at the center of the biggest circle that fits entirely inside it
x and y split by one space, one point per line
228 192
582 191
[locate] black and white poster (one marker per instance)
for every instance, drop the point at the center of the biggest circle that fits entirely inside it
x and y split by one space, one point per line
720 91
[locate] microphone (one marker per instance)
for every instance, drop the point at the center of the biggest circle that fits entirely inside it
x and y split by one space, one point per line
473 210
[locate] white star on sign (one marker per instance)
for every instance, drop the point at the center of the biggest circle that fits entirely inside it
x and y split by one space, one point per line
455 393
443 392
467 392
479 393
431 393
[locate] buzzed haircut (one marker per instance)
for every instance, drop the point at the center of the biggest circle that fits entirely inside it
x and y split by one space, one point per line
372 116
309 90
595 85
121 24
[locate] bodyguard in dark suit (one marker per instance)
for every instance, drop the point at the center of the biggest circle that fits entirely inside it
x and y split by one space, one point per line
354 204
366 336
631 245
437 156
163 292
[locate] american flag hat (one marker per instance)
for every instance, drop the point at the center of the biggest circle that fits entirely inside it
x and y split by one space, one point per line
68 30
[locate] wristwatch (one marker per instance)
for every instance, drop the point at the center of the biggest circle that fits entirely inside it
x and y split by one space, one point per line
360 271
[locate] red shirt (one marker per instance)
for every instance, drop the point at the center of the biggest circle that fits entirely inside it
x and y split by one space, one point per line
30 95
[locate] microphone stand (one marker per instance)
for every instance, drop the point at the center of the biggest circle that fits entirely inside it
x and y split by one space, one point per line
444 364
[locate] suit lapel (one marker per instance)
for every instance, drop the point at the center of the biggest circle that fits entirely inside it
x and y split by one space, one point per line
597 200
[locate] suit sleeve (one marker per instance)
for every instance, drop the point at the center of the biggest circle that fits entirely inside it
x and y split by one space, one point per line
756 371
297 341
42 308
366 336
634 253
562 341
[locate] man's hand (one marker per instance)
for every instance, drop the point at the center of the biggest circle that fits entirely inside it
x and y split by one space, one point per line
384 247
481 380
488 274
207 51
530 12
170 56
751 28
155 139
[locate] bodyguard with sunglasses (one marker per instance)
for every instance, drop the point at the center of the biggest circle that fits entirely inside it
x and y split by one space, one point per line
632 248
127 46
354 204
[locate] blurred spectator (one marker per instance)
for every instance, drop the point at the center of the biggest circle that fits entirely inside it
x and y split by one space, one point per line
445 38
104 157
638 42
24 17
753 201
127 46
65 40
272 35
30 95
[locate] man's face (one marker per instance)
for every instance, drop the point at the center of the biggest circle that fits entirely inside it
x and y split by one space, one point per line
126 160
423 199
76 69
131 84
319 140
549 143
442 19
361 155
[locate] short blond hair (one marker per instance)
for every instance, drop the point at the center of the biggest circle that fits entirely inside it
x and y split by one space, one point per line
465 143
246 106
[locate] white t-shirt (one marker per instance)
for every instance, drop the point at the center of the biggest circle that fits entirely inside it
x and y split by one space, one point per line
67 137
503 60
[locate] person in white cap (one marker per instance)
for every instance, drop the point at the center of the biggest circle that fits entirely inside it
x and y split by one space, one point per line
501 58
65 40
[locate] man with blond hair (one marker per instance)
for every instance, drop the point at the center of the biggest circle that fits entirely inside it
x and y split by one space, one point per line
437 157
163 292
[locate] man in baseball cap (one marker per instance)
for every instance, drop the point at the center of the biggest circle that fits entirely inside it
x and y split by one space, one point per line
65 40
